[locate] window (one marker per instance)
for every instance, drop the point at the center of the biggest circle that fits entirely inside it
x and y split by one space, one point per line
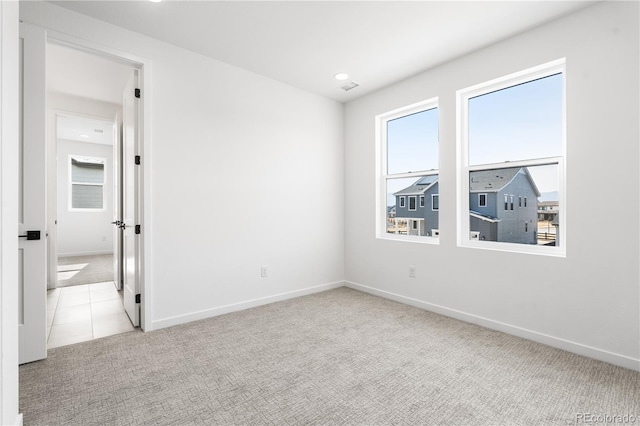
412 203
435 202
511 139
86 180
407 158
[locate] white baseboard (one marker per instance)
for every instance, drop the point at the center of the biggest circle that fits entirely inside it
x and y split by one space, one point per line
85 253
19 420
221 310
576 348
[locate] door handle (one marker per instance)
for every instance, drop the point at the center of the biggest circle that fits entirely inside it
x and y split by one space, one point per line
31 235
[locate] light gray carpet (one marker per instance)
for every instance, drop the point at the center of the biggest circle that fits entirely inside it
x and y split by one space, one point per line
88 269
337 357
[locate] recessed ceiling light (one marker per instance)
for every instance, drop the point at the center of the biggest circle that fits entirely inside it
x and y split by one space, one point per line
341 76
84 136
155 1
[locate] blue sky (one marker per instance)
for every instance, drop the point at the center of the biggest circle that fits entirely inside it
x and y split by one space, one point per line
518 123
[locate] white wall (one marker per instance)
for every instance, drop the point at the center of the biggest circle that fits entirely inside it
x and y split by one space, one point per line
227 153
587 302
80 231
8 214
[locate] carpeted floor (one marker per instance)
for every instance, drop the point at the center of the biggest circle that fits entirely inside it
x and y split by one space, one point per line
80 270
337 357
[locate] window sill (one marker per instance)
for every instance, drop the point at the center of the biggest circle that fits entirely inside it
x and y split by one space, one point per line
515 248
409 238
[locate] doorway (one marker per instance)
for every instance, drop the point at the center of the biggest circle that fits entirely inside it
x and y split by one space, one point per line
85 297
66 84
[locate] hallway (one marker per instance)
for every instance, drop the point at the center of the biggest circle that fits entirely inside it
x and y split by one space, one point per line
84 312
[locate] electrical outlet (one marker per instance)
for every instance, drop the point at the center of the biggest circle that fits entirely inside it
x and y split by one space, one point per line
412 271
263 271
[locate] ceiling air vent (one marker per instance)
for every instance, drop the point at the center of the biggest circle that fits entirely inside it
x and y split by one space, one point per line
348 86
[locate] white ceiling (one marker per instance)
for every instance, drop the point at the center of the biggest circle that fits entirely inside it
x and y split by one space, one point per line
304 43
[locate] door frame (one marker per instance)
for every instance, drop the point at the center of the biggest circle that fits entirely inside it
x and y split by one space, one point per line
52 186
143 68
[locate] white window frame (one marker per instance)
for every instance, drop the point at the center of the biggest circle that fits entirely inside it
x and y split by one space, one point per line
464 234
71 183
382 174
403 202
422 201
480 204
432 203
415 203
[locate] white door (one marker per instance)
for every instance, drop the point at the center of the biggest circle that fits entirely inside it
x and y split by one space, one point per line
32 206
129 208
117 204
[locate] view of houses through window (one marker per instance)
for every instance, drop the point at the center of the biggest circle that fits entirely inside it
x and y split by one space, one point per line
512 158
514 142
410 175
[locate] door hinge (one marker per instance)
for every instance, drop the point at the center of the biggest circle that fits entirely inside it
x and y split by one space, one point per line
137 229
137 298
137 93
137 160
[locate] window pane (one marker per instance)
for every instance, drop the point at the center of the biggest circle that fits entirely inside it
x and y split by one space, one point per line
411 217
412 142
86 196
535 221
90 171
520 122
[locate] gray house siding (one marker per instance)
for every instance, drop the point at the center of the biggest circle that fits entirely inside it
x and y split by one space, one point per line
488 230
490 209
517 224
404 212
426 212
431 217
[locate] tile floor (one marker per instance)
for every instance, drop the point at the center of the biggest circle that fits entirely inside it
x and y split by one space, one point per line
84 312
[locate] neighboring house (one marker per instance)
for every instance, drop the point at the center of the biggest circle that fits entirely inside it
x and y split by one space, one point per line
418 205
503 206
391 212
548 210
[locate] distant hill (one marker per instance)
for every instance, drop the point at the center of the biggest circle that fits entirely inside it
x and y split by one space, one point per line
548 196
